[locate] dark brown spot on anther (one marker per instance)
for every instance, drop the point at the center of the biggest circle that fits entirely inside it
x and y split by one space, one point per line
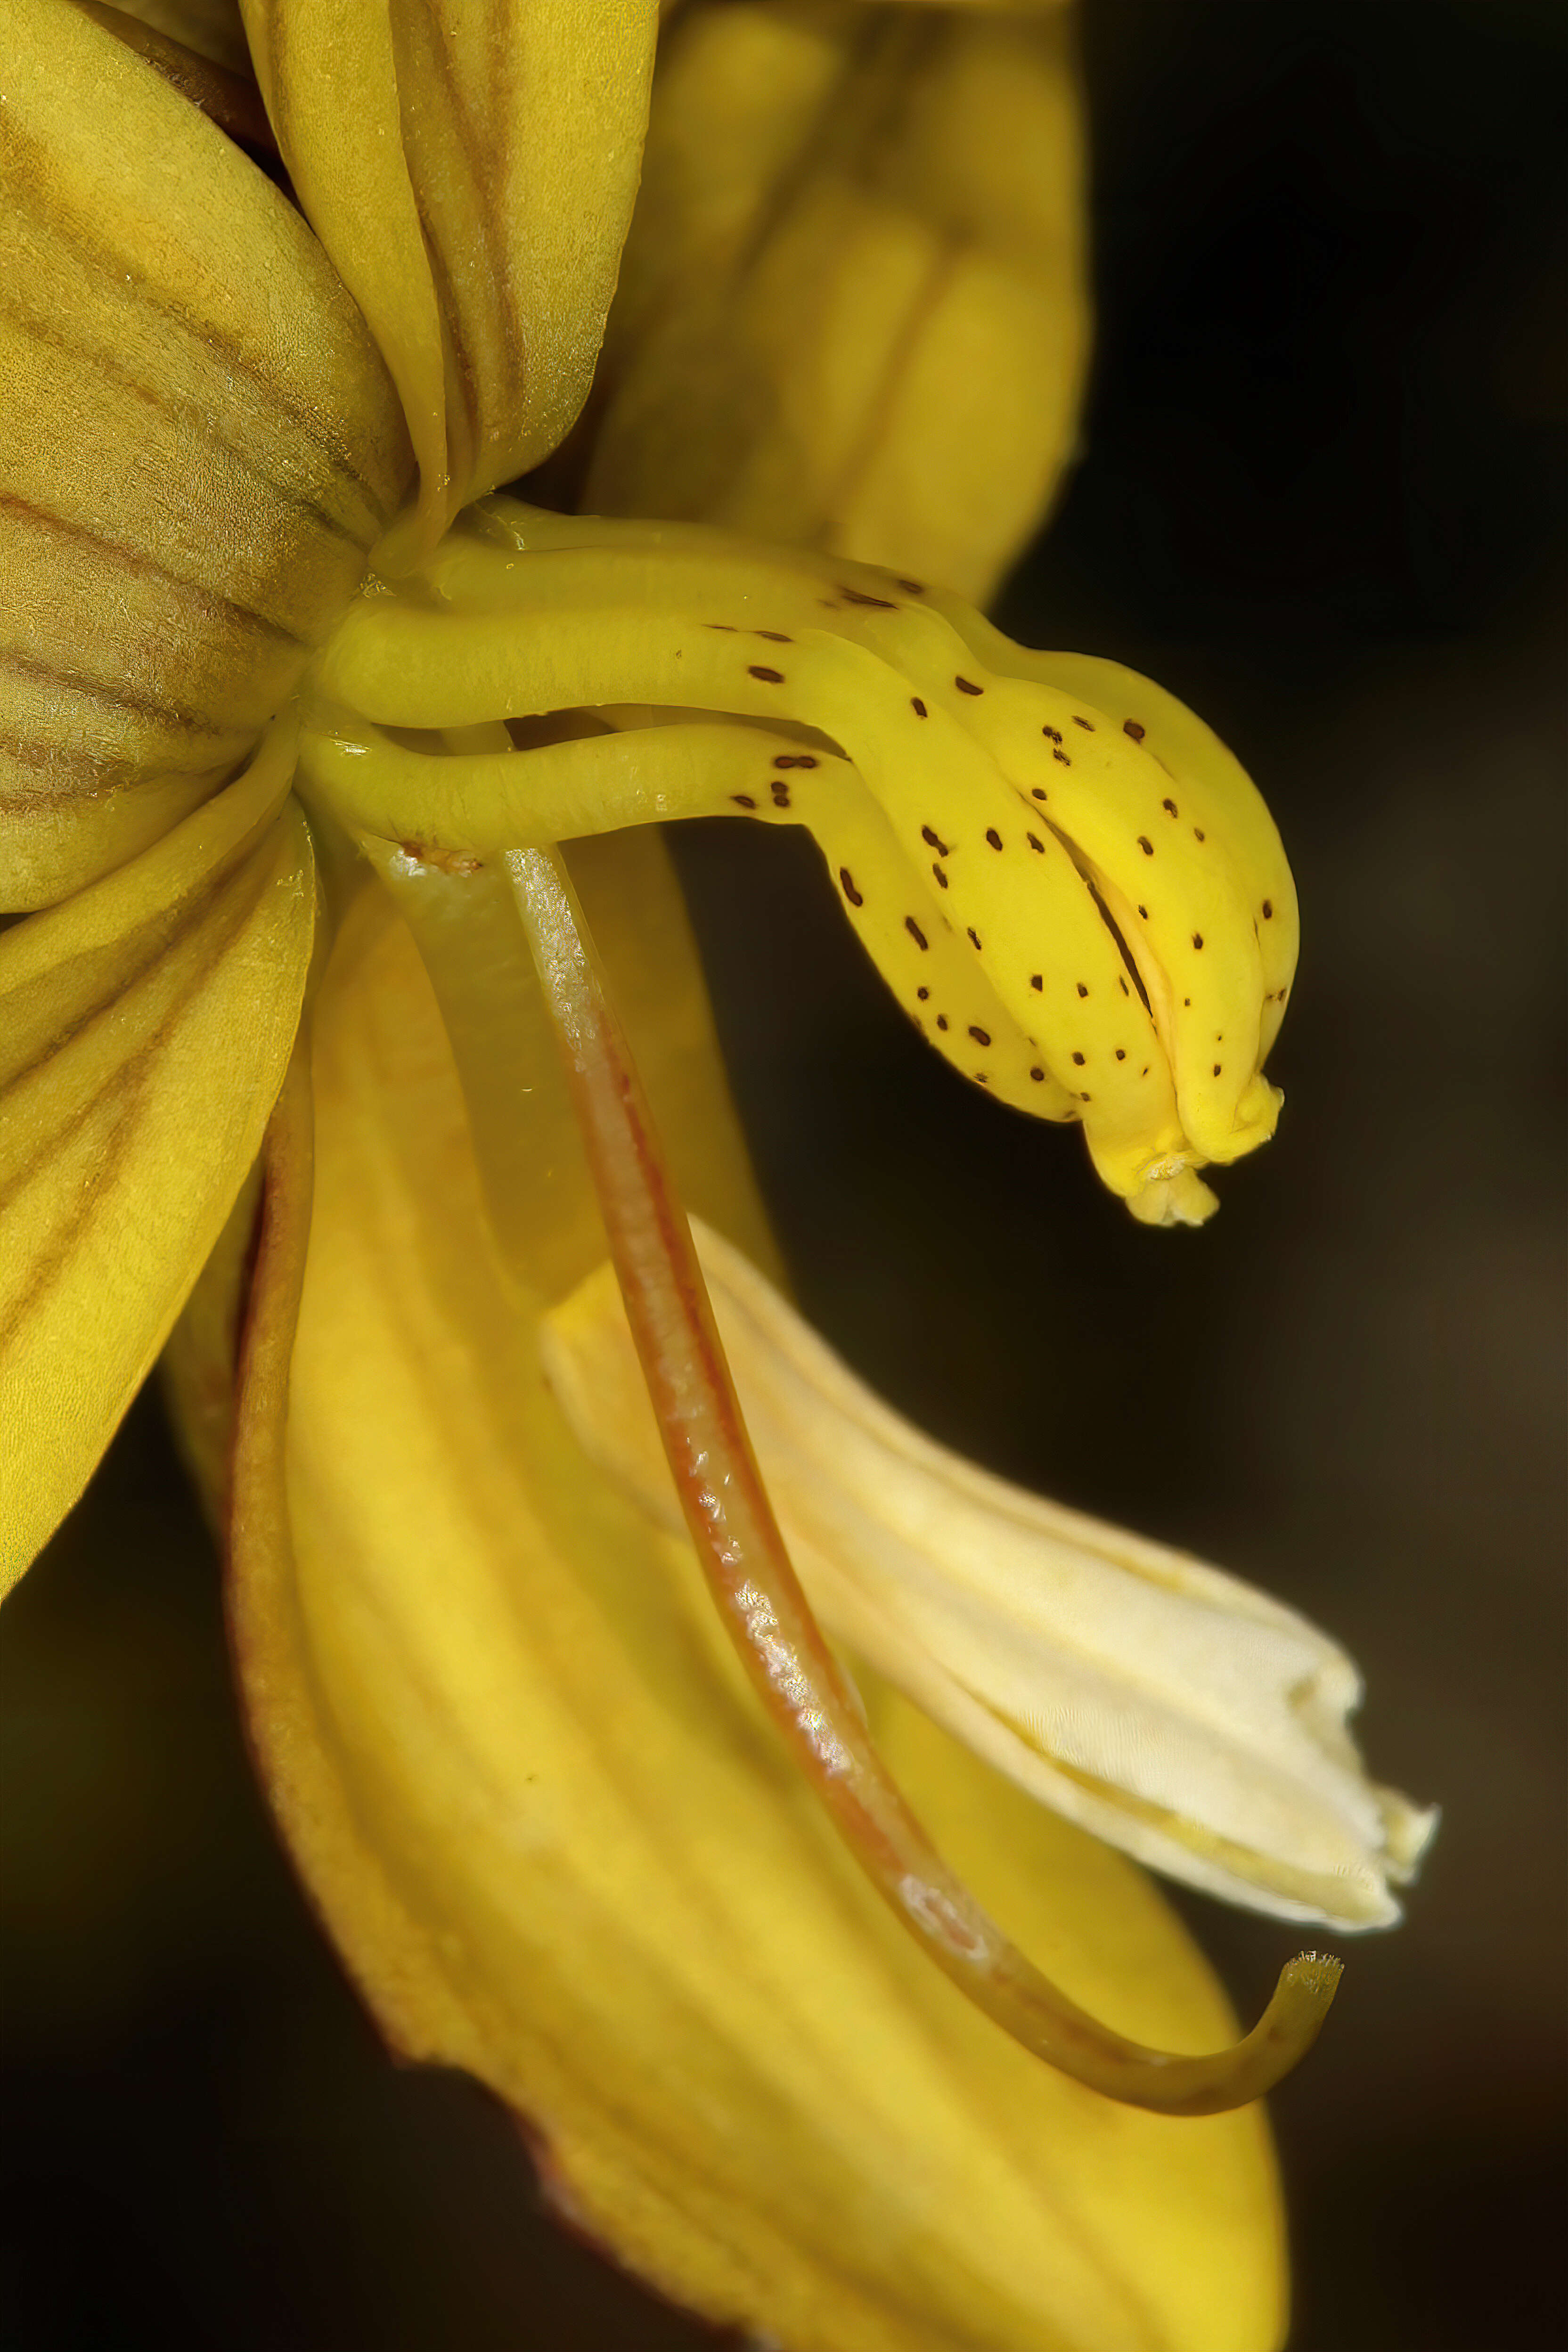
795 759
1144 1071
974 939
967 685
1268 910
941 878
1283 995
922 993
1198 832
1197 938
1039 793
727 628
1131 727
1037 981
774 636
743 799
917 705
781 797
1036 1074
933 840
981 1079
1086 724
1052 733
909 587
1122 984
915 932
858 596
981 1036
1080 1060
1187 1001
1145 912
1063 758
850 892
993 836
1216 1069
941 1020
768 676
1081 989
1145 845
1170 808
1086 1098
1035 843
1121 1053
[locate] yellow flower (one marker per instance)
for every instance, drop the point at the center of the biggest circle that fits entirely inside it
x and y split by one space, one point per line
519 1764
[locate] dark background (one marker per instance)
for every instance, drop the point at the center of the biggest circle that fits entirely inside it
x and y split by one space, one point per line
1323 499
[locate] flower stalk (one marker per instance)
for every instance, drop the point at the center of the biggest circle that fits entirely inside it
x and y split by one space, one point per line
766 1613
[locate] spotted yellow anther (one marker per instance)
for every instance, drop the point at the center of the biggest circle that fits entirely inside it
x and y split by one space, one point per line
1067 882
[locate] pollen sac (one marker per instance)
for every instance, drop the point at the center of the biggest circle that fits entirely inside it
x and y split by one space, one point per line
1069 883
1093 858
1128 897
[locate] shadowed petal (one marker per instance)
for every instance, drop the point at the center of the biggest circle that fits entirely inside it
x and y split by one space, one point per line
560 1846
146 1025
200 446
470 168
853 309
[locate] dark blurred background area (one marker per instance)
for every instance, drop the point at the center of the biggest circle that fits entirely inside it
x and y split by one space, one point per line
1321 497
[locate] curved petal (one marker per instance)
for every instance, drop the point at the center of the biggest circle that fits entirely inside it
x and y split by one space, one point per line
853 310
1193 1721
146 1025
552 1832
470 168
211 27
200 446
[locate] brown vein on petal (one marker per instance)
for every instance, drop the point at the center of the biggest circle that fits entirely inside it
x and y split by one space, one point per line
485 162
228 911
210 606
172 715
199 422
30 170
157 935
460 463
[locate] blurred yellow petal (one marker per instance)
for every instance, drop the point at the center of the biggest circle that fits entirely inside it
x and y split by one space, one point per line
560 1846
1156 1701
200 446
470 166
145 1027
211 27
853 309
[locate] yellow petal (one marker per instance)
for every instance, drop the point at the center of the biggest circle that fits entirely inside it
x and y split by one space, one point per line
559 1845
146 1025
470 168
200 446
1163 1704
853 309
211 27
